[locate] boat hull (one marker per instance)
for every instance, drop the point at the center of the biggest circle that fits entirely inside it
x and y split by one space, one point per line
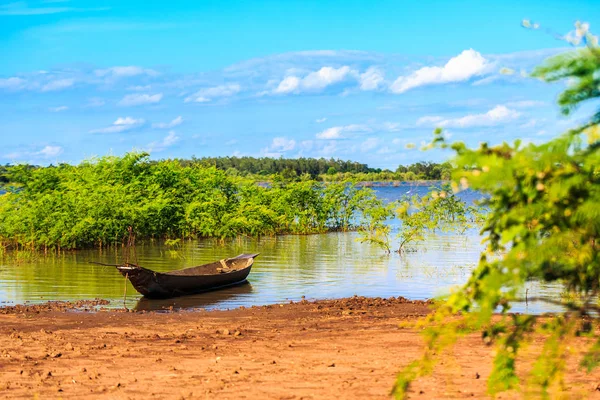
158 285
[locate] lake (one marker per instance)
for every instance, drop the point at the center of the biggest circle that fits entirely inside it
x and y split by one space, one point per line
289 268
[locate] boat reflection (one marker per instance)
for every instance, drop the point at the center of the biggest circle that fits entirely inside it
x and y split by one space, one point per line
201 300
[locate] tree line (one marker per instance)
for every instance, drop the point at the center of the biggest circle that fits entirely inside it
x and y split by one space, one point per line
297 169
93 204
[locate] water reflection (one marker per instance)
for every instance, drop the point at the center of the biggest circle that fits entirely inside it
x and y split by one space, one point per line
235 296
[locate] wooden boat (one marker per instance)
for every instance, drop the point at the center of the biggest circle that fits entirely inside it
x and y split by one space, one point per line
192 280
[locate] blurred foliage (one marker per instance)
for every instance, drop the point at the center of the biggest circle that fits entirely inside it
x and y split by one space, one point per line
93 204
543 225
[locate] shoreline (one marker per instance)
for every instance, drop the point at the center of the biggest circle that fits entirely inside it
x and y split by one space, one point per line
347 348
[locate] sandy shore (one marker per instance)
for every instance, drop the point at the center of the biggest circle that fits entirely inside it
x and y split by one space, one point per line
346 349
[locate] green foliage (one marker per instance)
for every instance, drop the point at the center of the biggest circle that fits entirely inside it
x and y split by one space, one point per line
543 225
321 169
439 210
374 229
93 204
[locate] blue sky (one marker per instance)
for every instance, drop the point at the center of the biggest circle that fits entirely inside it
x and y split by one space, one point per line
358 80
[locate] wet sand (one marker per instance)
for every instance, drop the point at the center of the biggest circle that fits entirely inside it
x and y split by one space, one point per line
348 349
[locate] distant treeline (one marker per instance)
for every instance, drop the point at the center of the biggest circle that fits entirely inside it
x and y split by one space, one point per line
324 168
290 169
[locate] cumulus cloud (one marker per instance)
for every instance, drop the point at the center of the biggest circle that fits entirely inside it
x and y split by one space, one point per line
45 153
324 77
338 132
208 94
167 125
50 151
121 125
314 81
124 72
371 79
288 85
58 109
140 99
278 146
57 84
466 65
283 144
163 144
495 116
332 133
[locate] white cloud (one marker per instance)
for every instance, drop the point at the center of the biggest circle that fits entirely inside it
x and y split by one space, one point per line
495 116
50 151
331 133
58 85
371 79
429 120
314 81
288 85
121 125
324 77
337 132
167 125
140 99
167 142
466 65
209 94
124 72
13 83
58 109
282 144
320 120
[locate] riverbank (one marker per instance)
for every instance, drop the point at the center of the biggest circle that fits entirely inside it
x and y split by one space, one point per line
348 348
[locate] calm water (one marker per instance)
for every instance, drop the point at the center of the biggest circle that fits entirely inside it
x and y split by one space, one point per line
289 268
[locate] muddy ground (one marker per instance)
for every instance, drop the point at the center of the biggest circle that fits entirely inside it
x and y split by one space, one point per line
337 349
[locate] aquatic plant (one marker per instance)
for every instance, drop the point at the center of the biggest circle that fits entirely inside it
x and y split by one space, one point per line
439 210
543 224
93 204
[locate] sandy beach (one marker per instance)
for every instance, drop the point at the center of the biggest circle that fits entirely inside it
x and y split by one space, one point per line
348 348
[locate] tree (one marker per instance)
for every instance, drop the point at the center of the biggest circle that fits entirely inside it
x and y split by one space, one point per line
543 224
